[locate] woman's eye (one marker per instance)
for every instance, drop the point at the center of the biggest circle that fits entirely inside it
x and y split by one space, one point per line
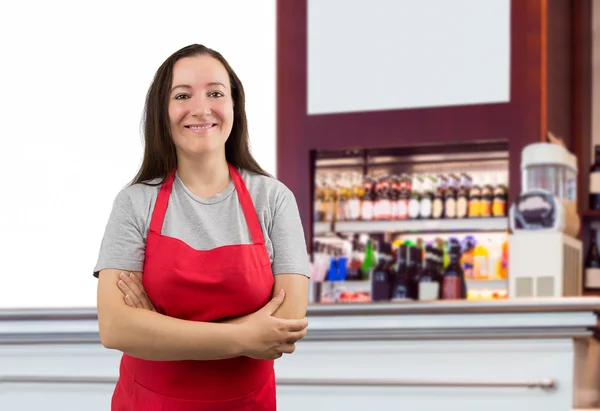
215 94
181 96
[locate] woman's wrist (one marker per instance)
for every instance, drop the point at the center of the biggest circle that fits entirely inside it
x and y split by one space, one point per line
238 337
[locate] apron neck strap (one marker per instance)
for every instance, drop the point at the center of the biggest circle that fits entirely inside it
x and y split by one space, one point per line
247 206
160 208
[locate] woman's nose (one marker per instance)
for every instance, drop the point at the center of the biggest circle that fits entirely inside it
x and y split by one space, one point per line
201 106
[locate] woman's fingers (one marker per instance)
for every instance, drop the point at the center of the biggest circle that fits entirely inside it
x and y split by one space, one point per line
135 284
129 296
288 348
297 325
134 291
296 336
137 279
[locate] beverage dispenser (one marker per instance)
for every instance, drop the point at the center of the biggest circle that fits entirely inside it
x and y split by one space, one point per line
544 253
548 199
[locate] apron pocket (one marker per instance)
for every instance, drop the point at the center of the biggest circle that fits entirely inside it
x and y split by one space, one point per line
142 399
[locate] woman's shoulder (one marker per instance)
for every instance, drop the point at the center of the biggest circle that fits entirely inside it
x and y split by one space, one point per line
267 191
138 198
261 184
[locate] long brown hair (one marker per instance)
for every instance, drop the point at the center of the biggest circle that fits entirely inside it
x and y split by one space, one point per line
159 150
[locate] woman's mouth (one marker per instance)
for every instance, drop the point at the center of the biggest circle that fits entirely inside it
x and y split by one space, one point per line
201 128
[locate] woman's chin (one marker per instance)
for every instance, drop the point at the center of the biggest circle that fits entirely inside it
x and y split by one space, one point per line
203 150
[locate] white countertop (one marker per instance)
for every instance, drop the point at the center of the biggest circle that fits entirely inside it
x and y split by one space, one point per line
518 318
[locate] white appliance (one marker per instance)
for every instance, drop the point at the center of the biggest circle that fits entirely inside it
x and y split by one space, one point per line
544 257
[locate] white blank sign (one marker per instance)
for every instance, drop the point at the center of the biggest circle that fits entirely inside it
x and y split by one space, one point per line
401 54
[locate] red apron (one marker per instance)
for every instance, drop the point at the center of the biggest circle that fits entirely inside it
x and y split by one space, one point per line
185 283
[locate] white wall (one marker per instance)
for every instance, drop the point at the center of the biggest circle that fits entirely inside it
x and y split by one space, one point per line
73 80
384 54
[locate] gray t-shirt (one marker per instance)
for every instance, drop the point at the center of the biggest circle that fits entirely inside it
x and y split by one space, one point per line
204 224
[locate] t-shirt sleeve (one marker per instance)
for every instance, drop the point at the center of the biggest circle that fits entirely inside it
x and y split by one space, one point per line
287 237
123 245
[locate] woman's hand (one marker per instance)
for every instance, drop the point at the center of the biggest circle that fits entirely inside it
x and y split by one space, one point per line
266 337
133 291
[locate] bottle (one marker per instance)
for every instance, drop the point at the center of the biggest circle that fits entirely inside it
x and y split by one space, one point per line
429 280
453 280
414 263
332 272
319 215
362 248
403 197
399 289
419 254
367 199
475 198
321 261
438 199
595 180
383 206
504 260
386 202
426 205
342 261
462 197
342 196
377 199
487 194
414 202
592 264
440 257
450 197
369 261
467 259
360 193
395 197
380 280
500 196
481 262
353 213
353 272
330 200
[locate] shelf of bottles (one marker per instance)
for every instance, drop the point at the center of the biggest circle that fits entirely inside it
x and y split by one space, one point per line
401 223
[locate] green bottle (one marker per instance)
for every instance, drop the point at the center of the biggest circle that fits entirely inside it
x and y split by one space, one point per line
369 261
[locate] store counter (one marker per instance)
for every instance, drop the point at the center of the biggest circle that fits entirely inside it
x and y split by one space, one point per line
511 354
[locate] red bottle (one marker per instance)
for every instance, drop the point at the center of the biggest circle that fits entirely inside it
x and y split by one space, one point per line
453 280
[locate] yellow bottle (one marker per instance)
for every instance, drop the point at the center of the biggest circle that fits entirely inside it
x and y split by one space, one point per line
480 263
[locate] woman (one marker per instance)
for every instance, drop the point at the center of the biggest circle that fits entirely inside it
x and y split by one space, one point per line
218 246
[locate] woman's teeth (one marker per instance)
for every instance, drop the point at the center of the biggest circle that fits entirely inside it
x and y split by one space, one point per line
201 127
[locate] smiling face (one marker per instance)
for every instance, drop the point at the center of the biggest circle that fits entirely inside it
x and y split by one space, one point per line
200 107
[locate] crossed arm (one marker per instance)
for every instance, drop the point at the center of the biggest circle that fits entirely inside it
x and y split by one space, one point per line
143 333
295 287
294 305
